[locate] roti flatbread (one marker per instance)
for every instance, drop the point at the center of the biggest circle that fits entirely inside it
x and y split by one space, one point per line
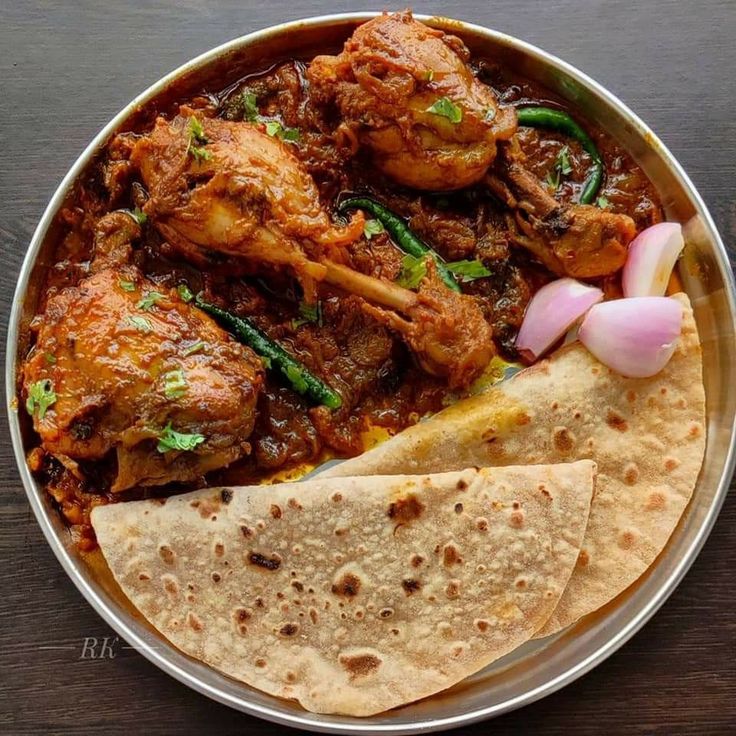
647 437
353 595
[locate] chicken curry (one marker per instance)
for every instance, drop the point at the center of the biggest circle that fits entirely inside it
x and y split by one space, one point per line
296 262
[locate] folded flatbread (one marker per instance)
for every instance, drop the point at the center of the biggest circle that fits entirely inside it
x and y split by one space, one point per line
353 595
647 437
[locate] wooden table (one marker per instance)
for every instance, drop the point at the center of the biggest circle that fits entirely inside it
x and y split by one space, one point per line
66 68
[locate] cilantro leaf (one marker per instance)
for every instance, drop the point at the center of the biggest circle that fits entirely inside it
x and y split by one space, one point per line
250 107
193 348
468 270
603 202
562 166
41 396
169 439
126 285
563 161
275 129
295 377
175 385
371 228
200 154
139 216
149 300
413 270
445 107
196 131
185 293
50 358
429 75
309 313
140 323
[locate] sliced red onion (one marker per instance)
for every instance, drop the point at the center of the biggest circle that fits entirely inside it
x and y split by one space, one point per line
635 337
652 256
551 312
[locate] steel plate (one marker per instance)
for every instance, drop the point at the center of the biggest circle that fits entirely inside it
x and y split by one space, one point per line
540 667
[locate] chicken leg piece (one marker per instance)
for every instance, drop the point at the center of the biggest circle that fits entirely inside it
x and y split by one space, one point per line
408 94
120 366
262 205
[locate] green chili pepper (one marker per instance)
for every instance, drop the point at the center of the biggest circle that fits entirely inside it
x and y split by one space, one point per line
300 379
400 234
547 117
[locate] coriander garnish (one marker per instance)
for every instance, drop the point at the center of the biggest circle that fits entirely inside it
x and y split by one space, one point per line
126 285
140 323
170 439
413 270
275 129
41 396
372 227
193 348
175 385
446 108
185 293
309 313
149 300
468 270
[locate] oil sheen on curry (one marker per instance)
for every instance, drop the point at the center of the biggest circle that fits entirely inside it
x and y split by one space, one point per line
290 264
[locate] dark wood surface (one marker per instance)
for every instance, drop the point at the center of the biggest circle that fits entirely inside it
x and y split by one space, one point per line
66 68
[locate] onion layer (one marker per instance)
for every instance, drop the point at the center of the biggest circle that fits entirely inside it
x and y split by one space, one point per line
652 256
551 312
635 337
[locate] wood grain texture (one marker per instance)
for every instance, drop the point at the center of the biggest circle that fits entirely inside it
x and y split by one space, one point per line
66 68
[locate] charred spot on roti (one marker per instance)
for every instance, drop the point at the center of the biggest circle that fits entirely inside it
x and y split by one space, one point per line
226 495
481 524
554 406
671 463
452 589
405 509
411 586
241 615
516 519
194 622
347 585
416 560
219 549
337 497
656 501
216 577
171 585
626 539
461 485
275 511
289 629
166 554
631 474
290 676
292 503
520 583
260 524
583 559
313 616
297 585
615 421
482 625
695 430
631 396
563 440
267 563
359 664
451 555
246 531
208 507
144 576
386 612
260 663
259 602
458 508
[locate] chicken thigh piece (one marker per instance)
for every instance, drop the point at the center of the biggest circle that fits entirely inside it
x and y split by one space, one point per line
575 240
118 365
230 187
407 92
